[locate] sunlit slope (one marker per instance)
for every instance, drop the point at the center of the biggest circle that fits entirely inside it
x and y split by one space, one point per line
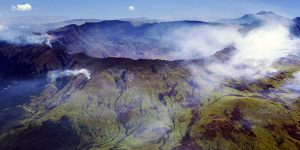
153 104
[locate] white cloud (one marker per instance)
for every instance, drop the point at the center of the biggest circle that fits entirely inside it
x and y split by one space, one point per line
259 49
131 8
256 50
202 41
21 7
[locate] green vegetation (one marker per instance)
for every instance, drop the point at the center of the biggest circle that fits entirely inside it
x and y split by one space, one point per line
143 108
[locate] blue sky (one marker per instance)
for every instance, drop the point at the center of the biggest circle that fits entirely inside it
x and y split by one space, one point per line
157 9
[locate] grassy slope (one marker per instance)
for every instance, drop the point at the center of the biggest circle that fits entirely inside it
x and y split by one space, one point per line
138 106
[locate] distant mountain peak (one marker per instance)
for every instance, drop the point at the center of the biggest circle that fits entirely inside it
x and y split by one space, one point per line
254 18
266 13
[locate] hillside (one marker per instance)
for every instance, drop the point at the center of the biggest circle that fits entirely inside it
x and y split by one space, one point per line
140 104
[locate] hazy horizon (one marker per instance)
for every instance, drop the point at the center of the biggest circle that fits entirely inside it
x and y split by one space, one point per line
162 10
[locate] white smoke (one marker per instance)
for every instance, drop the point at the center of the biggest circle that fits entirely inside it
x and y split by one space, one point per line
28 29
256 50
290 90
294 84
195 42
24 35
47 39
53 75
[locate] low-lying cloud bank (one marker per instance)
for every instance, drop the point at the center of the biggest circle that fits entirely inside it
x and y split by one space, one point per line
257 48
53 75
24 34
19 37
27 29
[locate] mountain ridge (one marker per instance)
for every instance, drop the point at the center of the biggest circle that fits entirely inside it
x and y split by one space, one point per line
56 97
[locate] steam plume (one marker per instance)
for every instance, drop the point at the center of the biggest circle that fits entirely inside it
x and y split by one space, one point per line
53 75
